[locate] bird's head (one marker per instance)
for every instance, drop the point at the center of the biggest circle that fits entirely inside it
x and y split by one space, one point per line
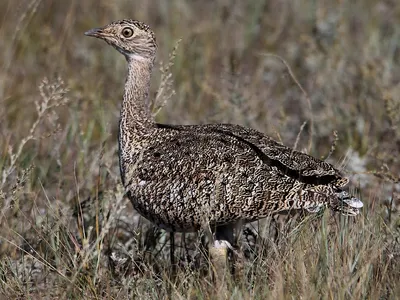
134 39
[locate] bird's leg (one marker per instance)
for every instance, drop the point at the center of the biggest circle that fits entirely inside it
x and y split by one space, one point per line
173 266
172 253
218 249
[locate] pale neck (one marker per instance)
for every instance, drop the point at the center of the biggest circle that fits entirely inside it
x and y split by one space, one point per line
136 117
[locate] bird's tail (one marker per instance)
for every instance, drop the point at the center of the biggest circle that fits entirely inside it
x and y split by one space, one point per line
345 203
332 196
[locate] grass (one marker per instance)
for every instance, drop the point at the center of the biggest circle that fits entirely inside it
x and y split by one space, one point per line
320 75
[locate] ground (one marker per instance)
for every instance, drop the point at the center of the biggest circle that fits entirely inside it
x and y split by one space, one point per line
321 76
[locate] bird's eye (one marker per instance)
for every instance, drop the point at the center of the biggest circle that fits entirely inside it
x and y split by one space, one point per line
127 32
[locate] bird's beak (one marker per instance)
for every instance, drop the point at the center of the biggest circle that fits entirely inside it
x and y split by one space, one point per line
95 32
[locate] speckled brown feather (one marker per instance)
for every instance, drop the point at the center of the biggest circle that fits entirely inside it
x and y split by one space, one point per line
183 178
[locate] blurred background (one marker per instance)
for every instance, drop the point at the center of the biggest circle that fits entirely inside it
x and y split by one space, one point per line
323 76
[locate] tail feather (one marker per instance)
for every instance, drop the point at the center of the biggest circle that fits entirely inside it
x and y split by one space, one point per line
313 200
346 203
354 202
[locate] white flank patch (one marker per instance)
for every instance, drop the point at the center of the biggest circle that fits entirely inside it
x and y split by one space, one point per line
142 183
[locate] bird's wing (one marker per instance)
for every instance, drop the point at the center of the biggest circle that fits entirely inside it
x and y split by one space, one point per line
290 162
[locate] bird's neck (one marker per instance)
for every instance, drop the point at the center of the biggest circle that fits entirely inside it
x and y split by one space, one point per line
136 120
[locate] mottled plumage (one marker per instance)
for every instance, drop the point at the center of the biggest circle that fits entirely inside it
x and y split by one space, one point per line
183 178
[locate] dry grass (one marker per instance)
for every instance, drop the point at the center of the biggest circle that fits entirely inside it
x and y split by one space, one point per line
66 230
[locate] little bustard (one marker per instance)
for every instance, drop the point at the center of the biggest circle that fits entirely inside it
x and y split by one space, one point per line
183 178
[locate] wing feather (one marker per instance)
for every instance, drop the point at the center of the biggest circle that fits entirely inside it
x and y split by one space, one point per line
291 162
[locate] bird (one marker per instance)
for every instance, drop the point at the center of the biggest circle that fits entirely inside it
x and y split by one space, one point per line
184 178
